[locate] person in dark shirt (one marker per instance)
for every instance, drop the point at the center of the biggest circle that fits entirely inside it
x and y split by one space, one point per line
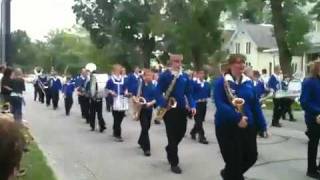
5 84
17 86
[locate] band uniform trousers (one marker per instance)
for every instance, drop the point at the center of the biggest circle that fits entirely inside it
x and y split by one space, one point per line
84 106
48 96
41 95
145 122
36 92
176 124
117 120
96 109
238 148
286 104
277 111
68 101
199 119
55 99
313 133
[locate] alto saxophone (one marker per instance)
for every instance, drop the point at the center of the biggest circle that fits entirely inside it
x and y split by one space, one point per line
171 101
237 102
138 101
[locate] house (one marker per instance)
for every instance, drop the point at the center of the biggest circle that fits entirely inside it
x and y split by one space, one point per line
258 43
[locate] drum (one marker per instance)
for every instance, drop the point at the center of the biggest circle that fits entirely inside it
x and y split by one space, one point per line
120 103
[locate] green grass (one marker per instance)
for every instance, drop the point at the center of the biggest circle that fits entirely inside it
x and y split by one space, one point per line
36 165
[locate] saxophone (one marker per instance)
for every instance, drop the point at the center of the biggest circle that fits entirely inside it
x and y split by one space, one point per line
171 101
138 101
237 102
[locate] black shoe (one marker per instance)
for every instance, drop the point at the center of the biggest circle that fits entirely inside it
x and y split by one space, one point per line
203 140
92 129
193 136
176 169
147 153
102 129
314 175
292 120
223 174
278 125
118 139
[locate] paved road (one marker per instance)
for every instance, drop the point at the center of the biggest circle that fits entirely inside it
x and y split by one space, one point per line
76 153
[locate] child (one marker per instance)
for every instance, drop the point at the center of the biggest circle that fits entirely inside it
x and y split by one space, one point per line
147 91
116 87
68 89
55 87
201 92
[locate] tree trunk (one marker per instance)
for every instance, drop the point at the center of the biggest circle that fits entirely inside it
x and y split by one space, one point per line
278 20
196 54
148 45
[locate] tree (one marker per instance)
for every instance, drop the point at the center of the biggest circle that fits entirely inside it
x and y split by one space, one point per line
23 52
120 23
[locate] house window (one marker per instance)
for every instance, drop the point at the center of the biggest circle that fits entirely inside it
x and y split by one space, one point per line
237 48
248 48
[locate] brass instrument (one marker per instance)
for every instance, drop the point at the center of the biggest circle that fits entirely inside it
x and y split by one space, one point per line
237 102
171 101
138 101
38 71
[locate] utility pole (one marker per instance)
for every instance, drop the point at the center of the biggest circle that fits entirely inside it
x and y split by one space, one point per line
7 22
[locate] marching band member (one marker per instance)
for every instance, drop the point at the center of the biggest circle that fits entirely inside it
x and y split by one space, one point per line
148 91
95 103
310 102
117 88
237 119
83 100
201 92
43 86
55 87
274 84
132 82
68 89
176 117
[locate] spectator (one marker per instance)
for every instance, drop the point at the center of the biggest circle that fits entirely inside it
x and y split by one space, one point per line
17 86
5 84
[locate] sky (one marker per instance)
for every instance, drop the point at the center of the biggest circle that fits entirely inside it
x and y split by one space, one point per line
38 17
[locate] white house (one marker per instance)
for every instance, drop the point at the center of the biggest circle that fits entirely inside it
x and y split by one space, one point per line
258 43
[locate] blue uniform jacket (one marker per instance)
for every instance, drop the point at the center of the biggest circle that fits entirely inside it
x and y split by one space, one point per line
55 84
118 86
132 83
226 114
259 88
274 83
201 90
68 88
150 93
310 99
181 91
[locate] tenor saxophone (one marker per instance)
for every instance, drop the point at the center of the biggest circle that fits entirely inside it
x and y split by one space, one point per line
171 101
237 102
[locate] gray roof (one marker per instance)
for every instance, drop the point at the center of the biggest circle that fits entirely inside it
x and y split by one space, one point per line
262 35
